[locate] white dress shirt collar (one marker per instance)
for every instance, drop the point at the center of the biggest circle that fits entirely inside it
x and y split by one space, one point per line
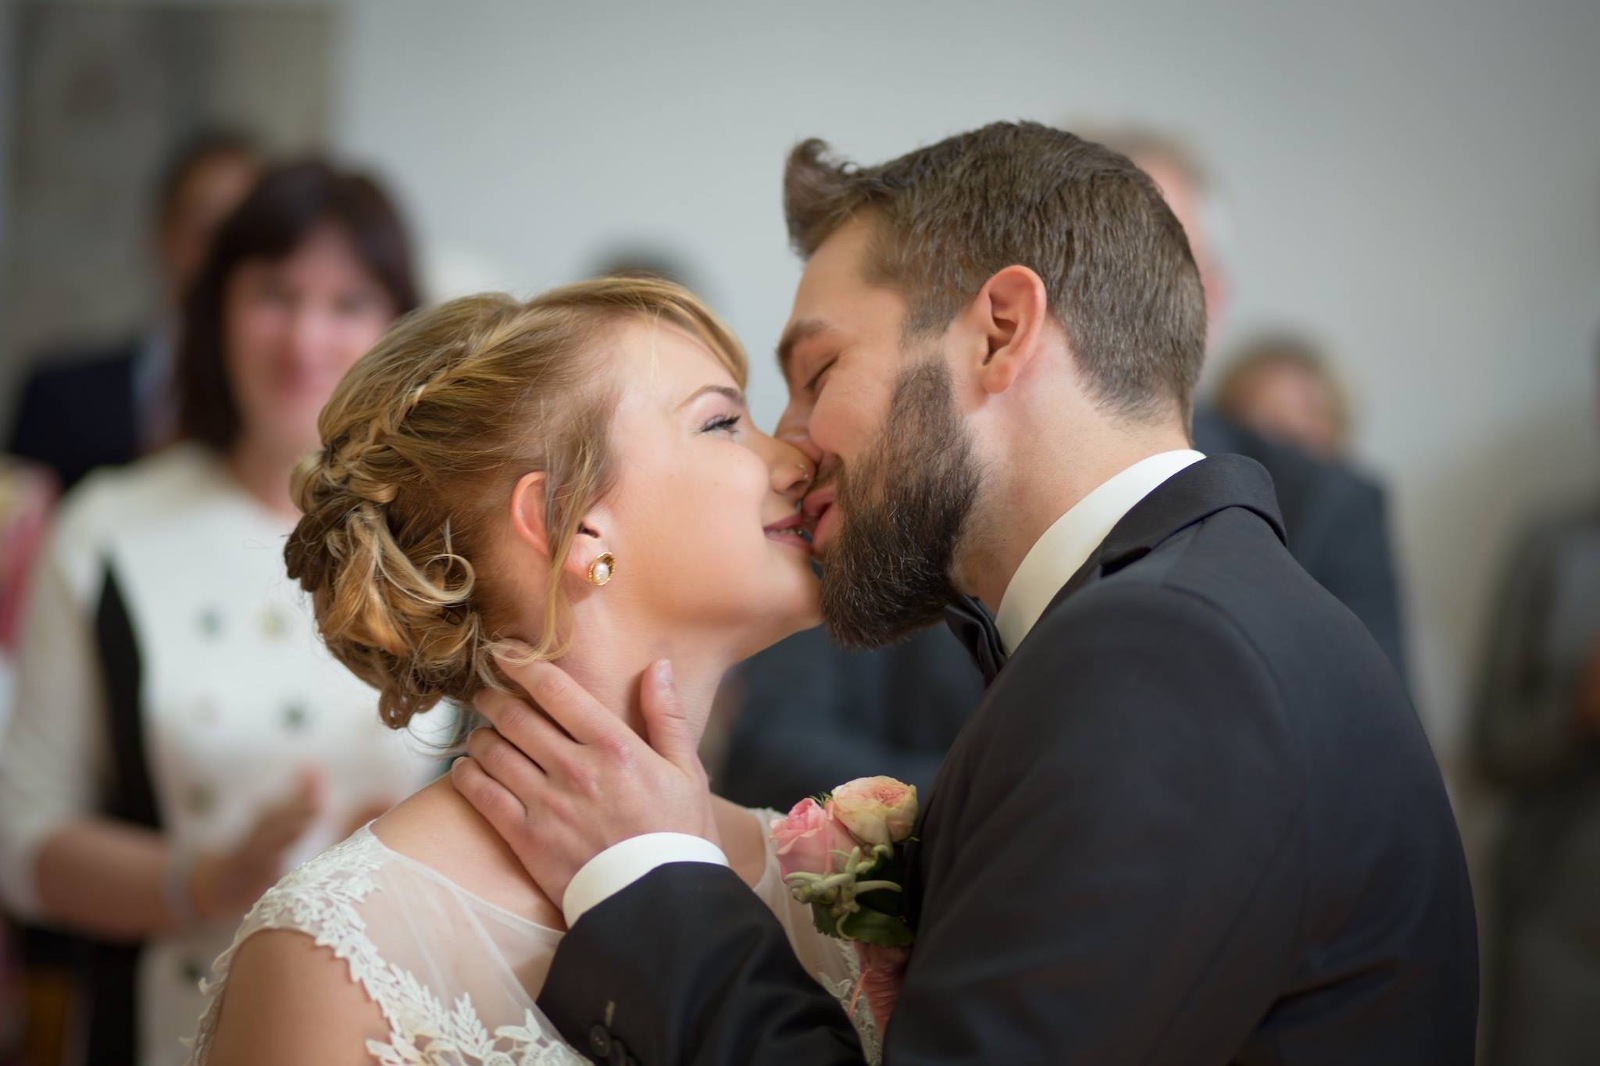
1072 539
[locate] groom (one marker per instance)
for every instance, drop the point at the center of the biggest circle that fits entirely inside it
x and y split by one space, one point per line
1195 819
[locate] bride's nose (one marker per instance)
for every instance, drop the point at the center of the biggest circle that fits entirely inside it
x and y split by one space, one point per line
792 473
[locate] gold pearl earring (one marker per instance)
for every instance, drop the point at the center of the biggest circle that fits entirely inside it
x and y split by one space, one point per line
603 569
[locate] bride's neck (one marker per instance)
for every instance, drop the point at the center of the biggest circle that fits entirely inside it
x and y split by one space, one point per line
612 672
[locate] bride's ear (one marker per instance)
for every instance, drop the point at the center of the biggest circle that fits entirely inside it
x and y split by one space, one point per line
531 529
528 513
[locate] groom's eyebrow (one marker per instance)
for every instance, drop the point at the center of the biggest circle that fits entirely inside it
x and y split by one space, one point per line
793 337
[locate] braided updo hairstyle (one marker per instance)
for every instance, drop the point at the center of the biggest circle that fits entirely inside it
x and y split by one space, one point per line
423 443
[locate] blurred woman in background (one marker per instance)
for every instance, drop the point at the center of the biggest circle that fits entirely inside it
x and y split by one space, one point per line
180 735
1283 387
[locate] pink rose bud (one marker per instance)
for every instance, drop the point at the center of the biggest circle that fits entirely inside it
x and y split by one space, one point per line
806 838
876 810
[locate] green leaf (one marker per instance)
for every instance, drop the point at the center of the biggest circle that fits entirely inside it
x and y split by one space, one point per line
873 927
827 924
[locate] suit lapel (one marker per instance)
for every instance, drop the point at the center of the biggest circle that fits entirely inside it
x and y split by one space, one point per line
1188 497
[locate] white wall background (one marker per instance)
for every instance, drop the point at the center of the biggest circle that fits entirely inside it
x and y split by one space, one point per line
1418 182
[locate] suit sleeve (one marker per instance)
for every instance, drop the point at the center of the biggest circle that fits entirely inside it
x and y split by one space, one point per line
687 965
1110 877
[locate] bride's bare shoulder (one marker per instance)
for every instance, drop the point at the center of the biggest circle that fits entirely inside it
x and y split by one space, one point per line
288 1000
440 830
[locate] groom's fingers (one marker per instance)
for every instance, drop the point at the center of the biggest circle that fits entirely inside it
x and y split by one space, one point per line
567 703
668 729
516 768
525 726
489 798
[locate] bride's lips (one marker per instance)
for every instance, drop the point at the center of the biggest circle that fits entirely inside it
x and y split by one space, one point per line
818 510
794 529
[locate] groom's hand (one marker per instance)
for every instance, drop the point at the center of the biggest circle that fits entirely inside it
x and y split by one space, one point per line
562 778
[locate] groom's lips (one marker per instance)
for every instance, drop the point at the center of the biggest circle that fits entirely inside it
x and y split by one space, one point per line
818 509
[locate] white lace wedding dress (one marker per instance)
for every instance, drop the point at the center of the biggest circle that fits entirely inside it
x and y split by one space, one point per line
454 975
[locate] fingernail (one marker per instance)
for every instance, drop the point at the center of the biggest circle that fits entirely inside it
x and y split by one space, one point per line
664 672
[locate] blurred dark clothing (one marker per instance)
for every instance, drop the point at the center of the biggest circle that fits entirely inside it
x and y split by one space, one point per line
1337 524
90 408
1545 1006
78 411
809 716
1195 820
812 716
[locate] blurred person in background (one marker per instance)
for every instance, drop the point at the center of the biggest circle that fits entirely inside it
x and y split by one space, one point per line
27 492
1537 728
1282 386
806 715
180 735
107 406
1336 518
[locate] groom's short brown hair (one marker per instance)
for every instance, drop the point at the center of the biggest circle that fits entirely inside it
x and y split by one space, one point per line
1114 259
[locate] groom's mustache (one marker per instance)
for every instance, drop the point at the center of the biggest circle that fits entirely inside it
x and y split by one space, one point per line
823 490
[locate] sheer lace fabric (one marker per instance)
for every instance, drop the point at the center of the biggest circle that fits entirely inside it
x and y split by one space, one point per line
455 976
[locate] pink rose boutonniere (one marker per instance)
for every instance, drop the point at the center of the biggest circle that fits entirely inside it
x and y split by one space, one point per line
842 852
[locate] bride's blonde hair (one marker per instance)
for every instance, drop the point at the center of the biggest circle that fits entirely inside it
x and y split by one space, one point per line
423 442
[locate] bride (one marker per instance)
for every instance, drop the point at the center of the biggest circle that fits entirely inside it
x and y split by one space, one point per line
573 478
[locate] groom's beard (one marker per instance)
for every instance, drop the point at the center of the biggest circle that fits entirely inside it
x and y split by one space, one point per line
887 572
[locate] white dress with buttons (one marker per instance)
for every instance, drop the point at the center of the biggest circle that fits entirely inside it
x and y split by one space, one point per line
237 696
455 976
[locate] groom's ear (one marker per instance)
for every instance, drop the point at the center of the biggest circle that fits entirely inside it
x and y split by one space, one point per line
1012 312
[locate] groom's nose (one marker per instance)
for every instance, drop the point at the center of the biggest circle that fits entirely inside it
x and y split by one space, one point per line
794 431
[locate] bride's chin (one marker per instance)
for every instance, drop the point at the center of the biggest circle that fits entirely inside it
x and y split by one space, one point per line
801 611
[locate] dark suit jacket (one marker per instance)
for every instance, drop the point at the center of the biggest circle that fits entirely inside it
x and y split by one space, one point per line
1337 525
809 715
812 716
1195 821
80 413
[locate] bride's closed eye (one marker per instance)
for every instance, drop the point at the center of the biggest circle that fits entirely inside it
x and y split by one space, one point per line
723 424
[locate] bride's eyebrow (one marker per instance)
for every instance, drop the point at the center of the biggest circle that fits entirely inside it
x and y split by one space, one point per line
723 390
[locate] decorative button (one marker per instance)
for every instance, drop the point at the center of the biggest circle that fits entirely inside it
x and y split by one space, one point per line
600 1041
211 623
274 623
296 718
200 799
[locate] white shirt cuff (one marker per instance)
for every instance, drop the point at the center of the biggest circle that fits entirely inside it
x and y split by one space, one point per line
620 865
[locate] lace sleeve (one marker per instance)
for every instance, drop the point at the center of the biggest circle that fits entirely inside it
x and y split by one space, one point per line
326 899
831 961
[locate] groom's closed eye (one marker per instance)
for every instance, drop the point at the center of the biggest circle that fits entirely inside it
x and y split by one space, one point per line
815 381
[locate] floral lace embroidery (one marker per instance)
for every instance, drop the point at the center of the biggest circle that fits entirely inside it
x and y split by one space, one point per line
321 899
842 990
